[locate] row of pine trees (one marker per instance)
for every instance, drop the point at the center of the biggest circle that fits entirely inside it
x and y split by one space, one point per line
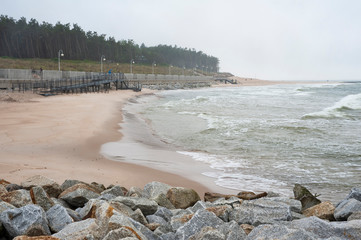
31 39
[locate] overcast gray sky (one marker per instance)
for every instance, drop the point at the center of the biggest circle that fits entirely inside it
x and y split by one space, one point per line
267 39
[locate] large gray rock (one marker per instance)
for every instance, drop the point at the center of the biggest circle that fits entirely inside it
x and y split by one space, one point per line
28 220
261 211
182 197
201 219
80 230
153 189
355 193
146 205
306 197
346 208
40 197
18 198
79 194
325 230
279 232
58 218
49 185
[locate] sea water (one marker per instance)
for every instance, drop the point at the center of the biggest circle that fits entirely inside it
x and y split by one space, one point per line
266 138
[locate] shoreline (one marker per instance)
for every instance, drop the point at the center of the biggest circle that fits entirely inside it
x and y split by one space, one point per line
61 137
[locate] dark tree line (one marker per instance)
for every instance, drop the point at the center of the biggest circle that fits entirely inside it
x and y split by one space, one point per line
23 39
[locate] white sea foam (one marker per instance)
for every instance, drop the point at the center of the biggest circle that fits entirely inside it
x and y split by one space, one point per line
350 102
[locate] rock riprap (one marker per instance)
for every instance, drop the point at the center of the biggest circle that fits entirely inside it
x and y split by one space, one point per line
39 208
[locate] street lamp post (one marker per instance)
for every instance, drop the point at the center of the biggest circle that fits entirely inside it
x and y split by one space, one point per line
102 58
131 65
60 54
153 65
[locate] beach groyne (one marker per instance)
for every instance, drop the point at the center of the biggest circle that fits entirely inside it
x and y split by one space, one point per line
77 210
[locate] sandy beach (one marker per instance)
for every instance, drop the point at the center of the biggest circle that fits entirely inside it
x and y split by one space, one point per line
60 137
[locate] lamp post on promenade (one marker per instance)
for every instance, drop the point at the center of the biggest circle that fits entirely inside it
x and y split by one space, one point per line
153 65
131 65
60 54
102 58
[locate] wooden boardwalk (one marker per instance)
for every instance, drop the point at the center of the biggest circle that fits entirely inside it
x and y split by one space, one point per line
93 83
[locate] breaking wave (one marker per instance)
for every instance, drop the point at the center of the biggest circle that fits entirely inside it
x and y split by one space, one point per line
339 109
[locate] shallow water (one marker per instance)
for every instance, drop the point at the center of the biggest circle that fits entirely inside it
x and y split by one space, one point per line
266 138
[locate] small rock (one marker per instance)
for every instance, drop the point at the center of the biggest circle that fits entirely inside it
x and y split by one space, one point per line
251 195
121 208
164 213
279 232
4 183
354 216
201 219
5 206
152 226
116 191
355 193
80 230
49 185
211 197
182 197
156 219
98 186
221 211
3 190
40 197
146 205
18 198
232 230
138 216
163 201
28 220
153 189
208 233
306 197
79 194
122 233
69 183
135 192
247 228
36 238
346 208
324 210
12 187
58 218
